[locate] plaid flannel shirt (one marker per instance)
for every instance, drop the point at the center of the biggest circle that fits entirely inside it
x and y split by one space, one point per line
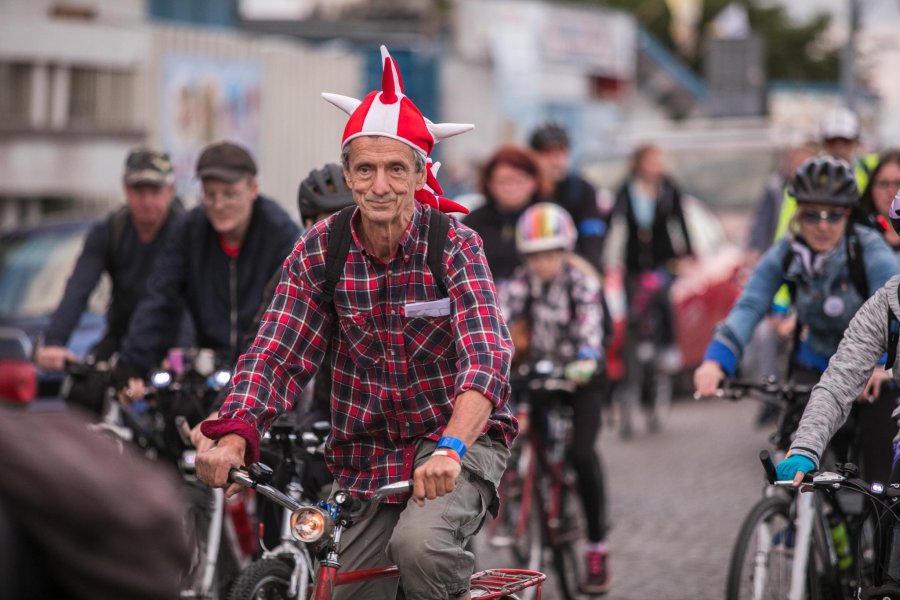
395 377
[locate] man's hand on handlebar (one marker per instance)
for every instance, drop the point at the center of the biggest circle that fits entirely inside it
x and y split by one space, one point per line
54 358
214 464
707 378
434 478
200 441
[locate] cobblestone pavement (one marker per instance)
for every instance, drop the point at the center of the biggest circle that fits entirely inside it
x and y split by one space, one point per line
677 499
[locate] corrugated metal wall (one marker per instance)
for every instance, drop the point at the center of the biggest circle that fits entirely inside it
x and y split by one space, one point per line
298 130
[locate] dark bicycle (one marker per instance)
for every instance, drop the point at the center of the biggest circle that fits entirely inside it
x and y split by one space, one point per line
218 531
540 507
286 569
791 545
839 564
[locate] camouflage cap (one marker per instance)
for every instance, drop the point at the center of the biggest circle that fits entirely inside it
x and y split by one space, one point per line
148 166
225 161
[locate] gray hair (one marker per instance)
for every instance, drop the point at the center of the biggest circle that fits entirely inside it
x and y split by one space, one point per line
345 157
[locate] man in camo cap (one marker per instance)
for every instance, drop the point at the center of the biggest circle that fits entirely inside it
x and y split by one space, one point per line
124 244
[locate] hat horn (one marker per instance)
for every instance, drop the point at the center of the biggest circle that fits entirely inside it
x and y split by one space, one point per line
345 103
391 83
442 131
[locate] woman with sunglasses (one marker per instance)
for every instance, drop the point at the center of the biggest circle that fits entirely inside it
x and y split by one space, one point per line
816 261
873 333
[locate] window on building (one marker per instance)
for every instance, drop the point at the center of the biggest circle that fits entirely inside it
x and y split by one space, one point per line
100 99
15 93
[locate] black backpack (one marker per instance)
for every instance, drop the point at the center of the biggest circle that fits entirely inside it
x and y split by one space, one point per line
339 246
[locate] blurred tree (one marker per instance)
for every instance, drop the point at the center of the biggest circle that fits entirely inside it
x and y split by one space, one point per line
794 51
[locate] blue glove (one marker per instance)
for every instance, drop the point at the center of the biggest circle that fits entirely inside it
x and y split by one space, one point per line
790 466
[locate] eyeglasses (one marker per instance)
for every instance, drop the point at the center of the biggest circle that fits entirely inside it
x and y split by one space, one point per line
888 184
228 198
814 217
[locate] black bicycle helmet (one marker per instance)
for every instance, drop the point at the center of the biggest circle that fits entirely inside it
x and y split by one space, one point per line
825 180
549 134
324 191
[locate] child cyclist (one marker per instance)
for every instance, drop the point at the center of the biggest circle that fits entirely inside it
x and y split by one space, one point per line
873 332
558 295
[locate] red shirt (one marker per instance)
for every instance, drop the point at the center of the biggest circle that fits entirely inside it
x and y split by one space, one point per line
394 378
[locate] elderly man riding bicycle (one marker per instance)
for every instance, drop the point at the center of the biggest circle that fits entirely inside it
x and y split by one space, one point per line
420 355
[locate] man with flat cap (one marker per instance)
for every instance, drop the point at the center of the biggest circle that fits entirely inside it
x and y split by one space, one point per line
124 244
216 264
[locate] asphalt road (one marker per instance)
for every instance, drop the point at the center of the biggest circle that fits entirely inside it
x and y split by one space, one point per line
677 499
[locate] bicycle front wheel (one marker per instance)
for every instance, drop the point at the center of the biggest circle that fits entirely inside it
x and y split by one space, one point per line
517 528
569 545
763 555
268 579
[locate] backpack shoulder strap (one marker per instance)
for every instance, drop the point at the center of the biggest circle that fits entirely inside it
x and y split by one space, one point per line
893 338
438 227
856 265
117 222
785 265
336 254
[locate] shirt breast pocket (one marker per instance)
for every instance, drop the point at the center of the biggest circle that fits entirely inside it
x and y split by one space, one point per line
362 342
428 338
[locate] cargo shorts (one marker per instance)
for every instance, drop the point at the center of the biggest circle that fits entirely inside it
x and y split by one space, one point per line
428 542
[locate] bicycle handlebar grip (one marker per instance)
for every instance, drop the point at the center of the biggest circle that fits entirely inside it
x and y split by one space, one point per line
768 465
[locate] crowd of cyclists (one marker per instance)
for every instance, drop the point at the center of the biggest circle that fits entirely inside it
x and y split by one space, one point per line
824 251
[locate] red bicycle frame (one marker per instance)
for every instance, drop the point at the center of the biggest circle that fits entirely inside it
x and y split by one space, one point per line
485 585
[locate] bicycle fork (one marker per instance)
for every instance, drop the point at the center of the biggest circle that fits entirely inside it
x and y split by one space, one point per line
804 525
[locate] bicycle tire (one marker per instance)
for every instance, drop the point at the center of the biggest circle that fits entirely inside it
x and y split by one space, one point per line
197 522
569 548
267 579
769 524
627 398
525 547
661 405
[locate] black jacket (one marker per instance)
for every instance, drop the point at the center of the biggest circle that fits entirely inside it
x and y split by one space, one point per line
498 234
221 294
128 264
579 198
651 249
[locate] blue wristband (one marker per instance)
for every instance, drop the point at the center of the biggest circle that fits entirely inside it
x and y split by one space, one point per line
454 444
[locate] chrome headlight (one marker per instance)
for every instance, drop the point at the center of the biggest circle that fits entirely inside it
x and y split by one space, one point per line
311 524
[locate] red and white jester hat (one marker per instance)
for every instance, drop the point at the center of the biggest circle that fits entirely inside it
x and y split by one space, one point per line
390 113
432 194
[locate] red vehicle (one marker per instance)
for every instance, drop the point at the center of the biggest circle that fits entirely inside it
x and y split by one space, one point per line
18 377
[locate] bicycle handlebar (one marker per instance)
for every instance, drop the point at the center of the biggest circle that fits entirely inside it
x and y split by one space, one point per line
240 477
371 505
737 389
364 509
769 466
828 480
